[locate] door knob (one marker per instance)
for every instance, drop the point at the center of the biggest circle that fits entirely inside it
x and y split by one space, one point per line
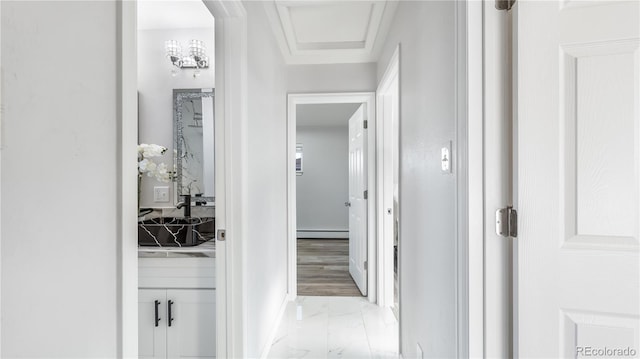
347 204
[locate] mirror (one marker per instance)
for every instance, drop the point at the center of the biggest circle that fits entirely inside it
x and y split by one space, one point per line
194 144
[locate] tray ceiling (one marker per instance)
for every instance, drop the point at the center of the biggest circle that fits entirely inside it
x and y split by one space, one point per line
326 31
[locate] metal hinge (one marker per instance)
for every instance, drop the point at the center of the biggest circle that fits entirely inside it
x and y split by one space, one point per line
505 4
507 222
365 124
222 235
366 265
366 194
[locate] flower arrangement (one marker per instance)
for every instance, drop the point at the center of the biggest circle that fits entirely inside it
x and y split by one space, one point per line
148 166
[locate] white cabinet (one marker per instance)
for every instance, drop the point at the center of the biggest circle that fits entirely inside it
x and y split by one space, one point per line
184 326
176 306
152 327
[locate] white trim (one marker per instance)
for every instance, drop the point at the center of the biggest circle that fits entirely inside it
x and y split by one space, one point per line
385 244
127 184
274 330
475 177
231 200
318 233
367 98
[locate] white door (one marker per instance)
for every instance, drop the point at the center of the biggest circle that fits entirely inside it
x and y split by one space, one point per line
578 185
191 328
358 203
152 323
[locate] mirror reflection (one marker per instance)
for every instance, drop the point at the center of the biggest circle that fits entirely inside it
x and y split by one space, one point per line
194 144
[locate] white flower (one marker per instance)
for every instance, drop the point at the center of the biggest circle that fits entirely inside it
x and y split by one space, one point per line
148 166
152 150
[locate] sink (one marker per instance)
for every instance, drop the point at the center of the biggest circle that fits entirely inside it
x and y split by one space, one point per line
175 232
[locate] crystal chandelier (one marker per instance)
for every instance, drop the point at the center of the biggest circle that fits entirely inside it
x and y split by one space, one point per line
197 58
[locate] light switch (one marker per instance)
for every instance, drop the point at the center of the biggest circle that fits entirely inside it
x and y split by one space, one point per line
161 194
445 158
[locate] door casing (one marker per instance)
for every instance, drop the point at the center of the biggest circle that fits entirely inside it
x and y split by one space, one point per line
368 99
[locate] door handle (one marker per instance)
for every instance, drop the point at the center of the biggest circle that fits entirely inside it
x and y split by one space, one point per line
169 314
157 303
347 204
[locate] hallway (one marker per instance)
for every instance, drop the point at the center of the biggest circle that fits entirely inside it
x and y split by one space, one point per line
336 327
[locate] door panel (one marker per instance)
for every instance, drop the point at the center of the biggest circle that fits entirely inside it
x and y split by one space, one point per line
358 208
192 333
578 161
152 342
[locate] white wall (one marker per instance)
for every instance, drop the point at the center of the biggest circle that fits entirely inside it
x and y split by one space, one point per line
426 33
331 78
59 175
323 188
155 94
266 246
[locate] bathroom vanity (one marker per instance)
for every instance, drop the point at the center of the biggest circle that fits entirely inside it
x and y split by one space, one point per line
176 302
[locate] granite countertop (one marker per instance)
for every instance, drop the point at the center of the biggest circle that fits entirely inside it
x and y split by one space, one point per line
204 250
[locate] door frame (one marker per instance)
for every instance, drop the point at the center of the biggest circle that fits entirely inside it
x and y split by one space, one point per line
385 244
231 118
368 99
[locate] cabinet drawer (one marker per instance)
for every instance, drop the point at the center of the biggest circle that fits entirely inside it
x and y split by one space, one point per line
176 273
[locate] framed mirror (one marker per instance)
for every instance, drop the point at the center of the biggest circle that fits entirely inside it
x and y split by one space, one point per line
194 145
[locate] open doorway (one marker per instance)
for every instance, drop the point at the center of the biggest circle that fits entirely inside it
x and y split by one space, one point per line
230 55
322 199
355 224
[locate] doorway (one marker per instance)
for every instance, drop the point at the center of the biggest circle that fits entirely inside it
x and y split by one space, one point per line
230 56
322 199
362 222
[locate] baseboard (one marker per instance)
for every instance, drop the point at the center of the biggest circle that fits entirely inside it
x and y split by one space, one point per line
274 330
322 234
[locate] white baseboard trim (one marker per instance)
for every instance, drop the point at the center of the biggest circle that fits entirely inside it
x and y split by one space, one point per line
274 330
322 234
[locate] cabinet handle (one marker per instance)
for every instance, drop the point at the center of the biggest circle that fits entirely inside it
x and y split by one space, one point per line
157 317
170 317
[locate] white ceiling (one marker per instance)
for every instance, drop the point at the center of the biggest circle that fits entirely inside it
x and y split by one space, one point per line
330 31
167 14
332 114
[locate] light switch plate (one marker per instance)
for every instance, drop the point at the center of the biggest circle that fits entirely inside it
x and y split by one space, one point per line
445 158
161 194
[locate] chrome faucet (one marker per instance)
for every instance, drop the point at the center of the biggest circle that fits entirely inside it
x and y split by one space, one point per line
186 204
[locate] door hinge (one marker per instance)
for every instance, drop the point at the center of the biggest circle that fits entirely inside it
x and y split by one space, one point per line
507 222
366 265
505 4
222 235
366 194
365 124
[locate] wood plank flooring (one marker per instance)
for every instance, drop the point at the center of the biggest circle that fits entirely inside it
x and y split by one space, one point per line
323 268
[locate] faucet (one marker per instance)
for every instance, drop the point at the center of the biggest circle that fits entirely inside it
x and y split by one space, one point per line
186 204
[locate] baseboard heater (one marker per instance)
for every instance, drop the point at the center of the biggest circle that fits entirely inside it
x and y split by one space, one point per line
322 233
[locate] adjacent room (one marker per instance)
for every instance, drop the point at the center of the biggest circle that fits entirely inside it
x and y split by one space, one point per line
322 196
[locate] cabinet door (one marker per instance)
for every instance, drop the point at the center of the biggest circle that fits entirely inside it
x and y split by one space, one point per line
152 339
192 333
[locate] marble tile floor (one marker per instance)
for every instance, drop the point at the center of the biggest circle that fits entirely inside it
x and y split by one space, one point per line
336 327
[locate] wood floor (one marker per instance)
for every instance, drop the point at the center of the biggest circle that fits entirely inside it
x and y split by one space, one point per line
323 268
